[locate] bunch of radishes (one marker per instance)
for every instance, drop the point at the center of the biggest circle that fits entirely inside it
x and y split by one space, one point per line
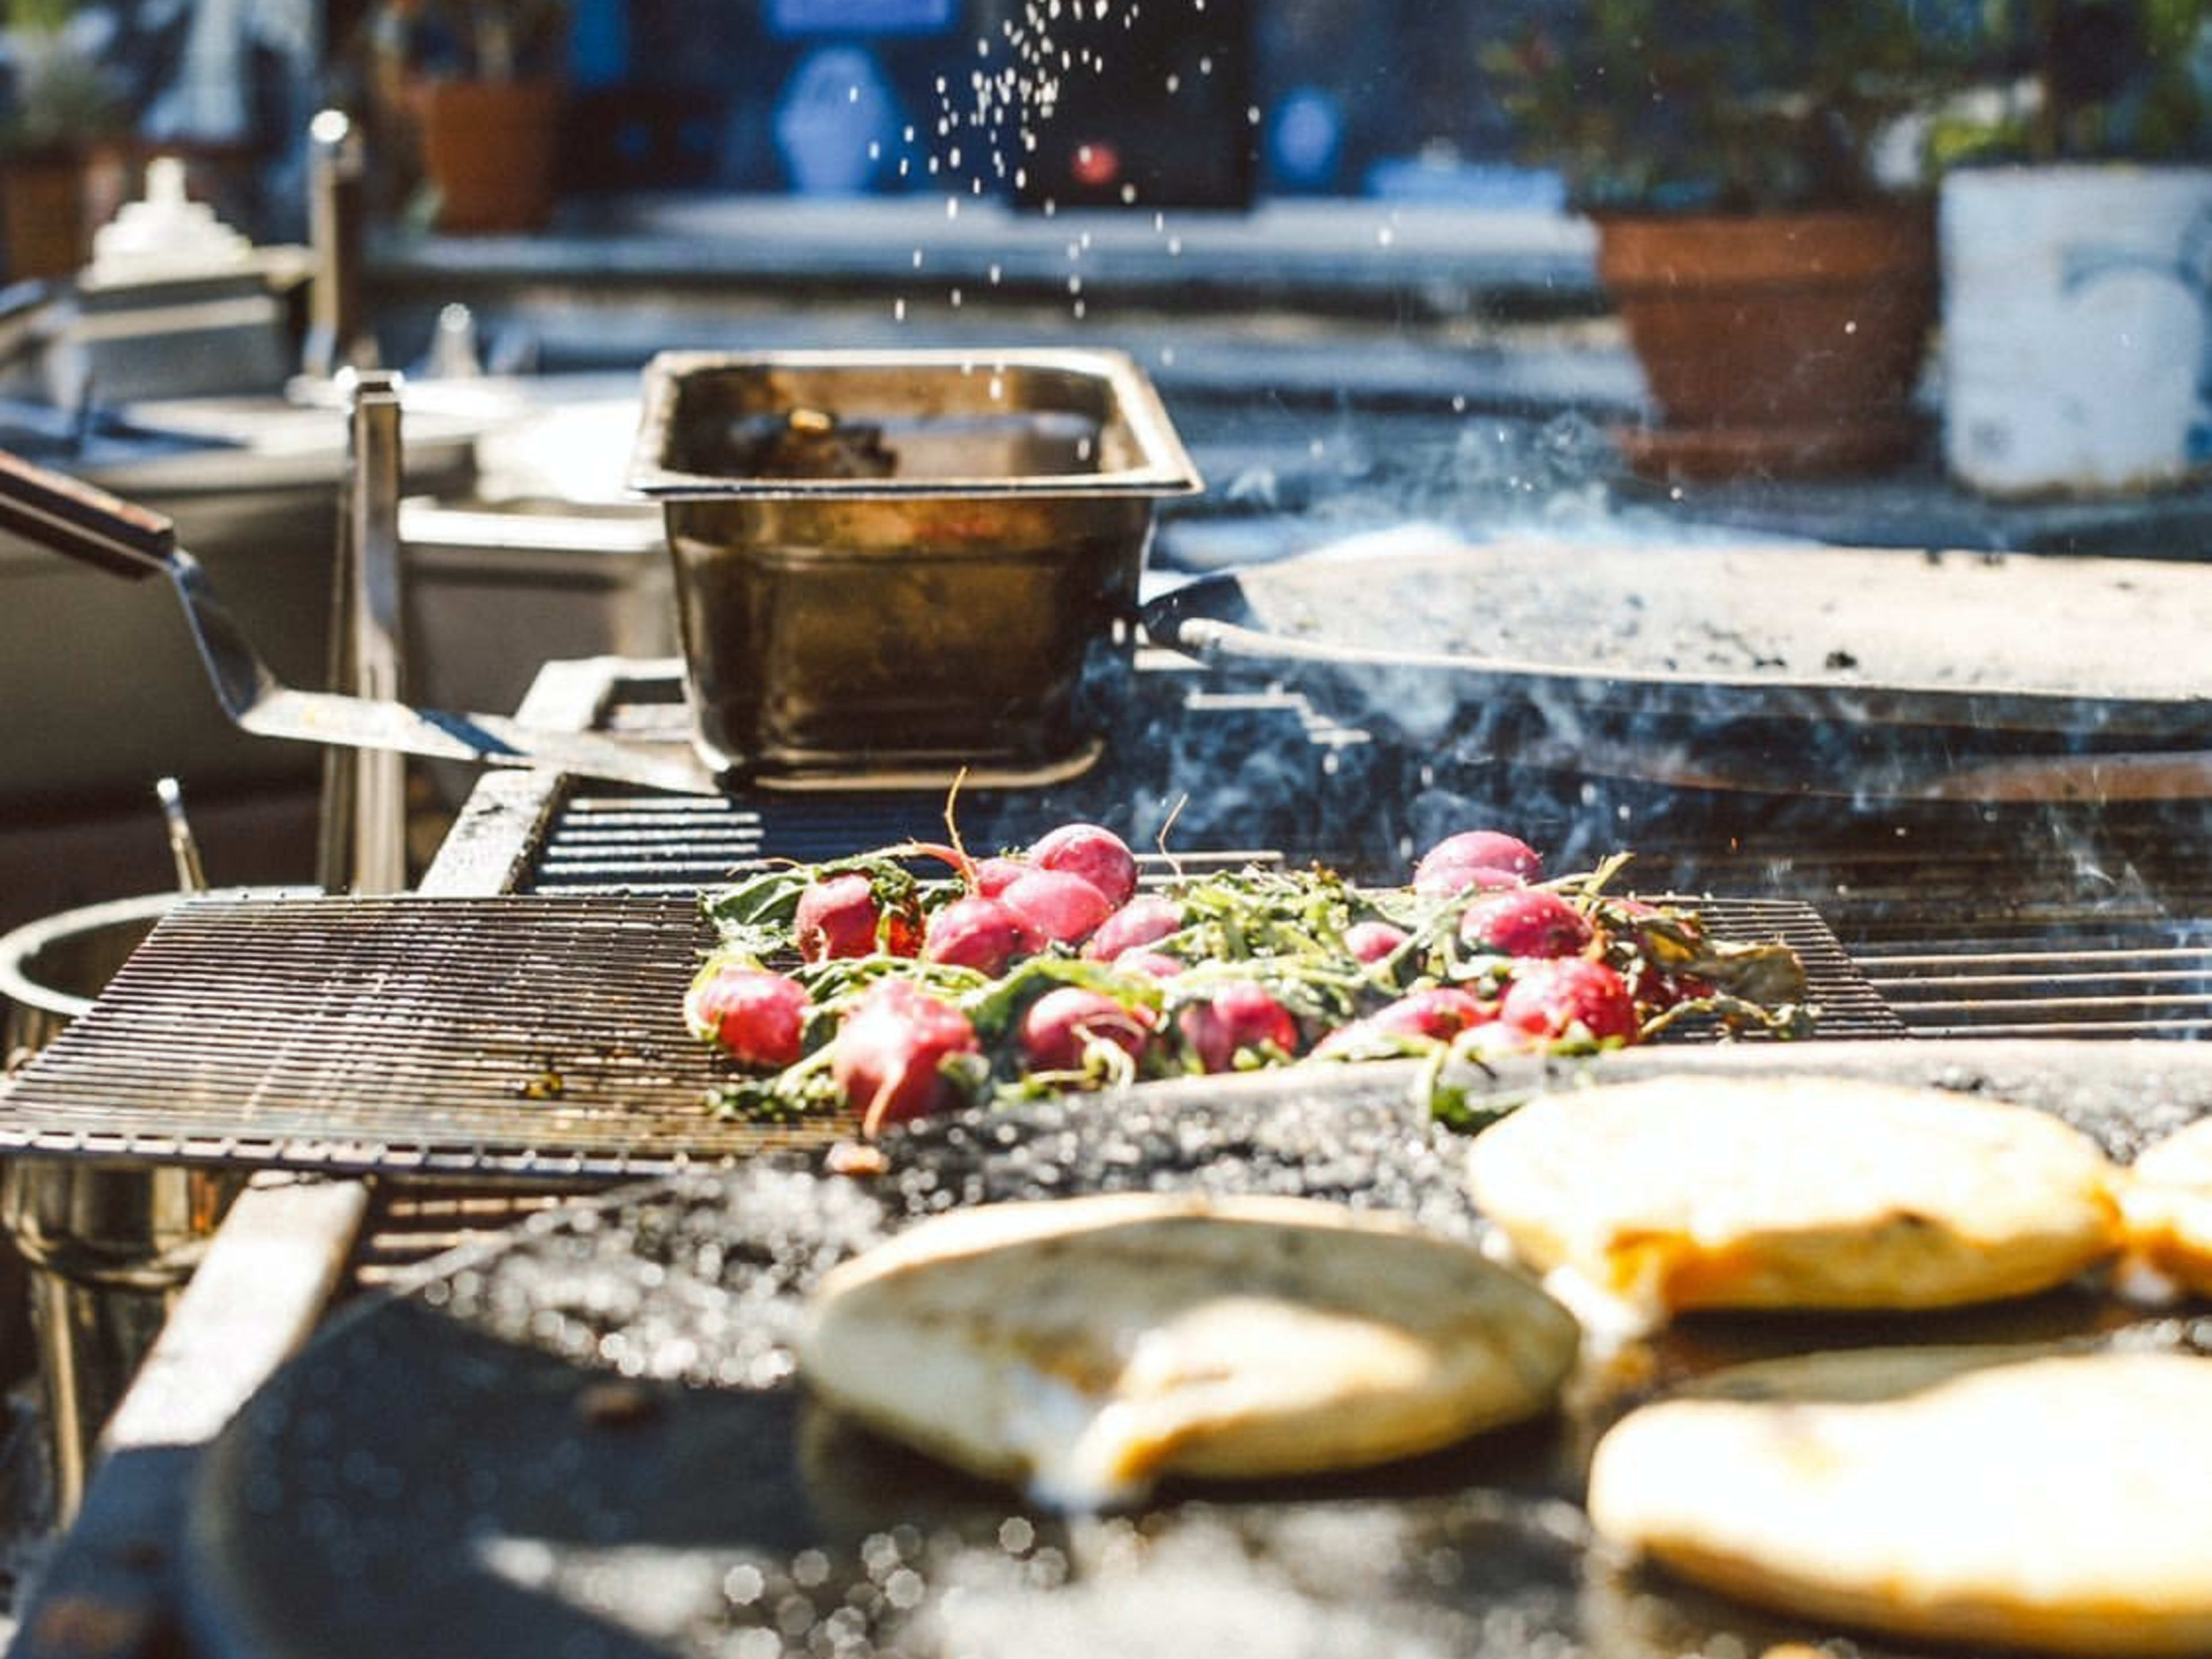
864 987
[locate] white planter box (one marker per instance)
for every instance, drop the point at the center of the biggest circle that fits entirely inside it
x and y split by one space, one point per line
2075 337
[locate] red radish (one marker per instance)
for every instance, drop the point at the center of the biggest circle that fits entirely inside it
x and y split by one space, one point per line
1153 964
1060 1025
1057 905
1525 921
1145 920
1570 997
1655 989
889 1055
1372 941
1439 1013
1476 859
1241 1017
977 933
839 917
1092 851
993 876
759 1017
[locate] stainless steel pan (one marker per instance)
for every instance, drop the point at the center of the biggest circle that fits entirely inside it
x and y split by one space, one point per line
71 517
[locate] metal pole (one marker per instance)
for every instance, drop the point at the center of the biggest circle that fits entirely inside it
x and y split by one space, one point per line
364 814
336 171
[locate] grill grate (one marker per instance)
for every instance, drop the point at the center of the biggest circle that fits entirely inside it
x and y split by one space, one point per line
518 1037
2058 924
2110 988
527 1037
2033 918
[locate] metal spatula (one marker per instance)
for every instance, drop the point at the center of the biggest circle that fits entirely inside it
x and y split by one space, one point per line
77 518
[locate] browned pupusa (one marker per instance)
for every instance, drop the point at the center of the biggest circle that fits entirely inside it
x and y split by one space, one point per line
2051 1502
1085 1347
1684 1191
2167 1204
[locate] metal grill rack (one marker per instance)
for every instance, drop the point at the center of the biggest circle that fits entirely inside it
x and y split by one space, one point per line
2025 919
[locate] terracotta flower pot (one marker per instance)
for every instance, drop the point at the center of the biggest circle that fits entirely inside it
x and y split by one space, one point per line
44 231
487 151
1782 344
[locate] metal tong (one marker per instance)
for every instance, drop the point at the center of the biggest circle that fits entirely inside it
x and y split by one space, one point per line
69 516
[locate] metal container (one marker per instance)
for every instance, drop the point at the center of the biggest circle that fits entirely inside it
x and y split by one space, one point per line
902 560
108 1244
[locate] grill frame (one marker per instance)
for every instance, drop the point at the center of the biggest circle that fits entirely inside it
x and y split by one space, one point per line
515 830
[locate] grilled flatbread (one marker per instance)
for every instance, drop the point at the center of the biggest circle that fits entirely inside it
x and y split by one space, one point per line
2167 1204
2054 1503
1685 1192
1086 1347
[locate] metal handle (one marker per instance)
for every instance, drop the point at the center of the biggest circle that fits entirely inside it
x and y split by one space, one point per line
70 516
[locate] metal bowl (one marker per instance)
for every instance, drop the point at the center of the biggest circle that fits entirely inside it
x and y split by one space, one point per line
902 561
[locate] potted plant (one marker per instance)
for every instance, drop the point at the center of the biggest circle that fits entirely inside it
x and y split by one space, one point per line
485 82
1767 239
60 104
2076 246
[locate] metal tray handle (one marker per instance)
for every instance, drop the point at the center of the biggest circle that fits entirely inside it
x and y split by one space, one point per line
82 520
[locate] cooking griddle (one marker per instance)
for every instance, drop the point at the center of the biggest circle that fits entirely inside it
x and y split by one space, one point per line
522 1037
2101 649
604 1449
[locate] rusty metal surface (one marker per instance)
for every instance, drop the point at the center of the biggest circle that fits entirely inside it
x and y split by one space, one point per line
533 1037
